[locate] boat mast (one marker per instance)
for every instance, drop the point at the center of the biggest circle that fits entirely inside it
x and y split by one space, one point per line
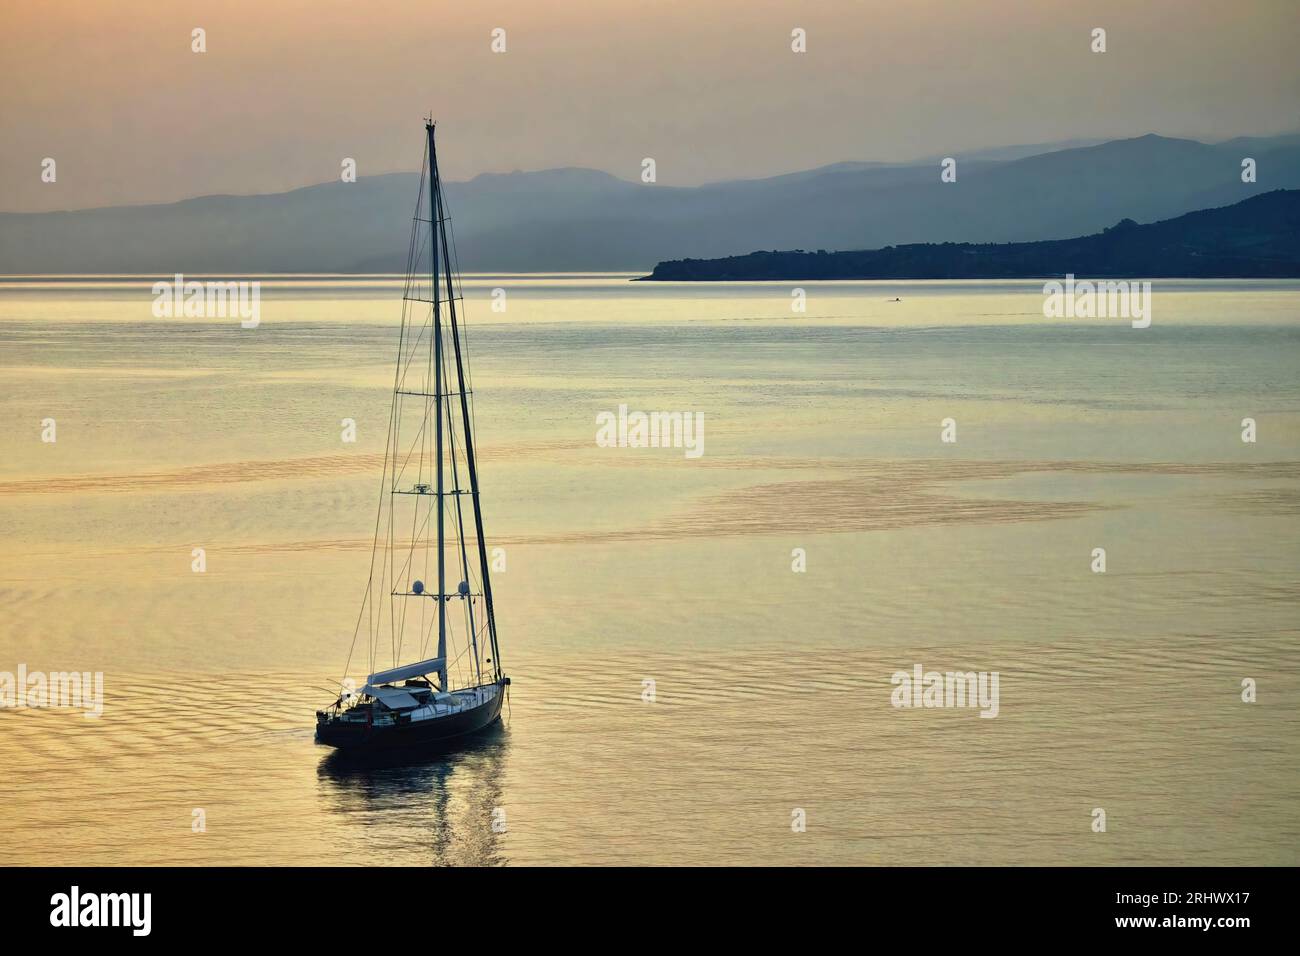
466 421
436 233
436 405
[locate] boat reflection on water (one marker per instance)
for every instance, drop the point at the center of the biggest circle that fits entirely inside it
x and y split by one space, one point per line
450 804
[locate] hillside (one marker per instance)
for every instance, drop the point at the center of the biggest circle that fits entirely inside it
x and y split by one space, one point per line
1255 238
580 219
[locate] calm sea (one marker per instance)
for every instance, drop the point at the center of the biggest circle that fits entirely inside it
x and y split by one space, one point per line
1118 691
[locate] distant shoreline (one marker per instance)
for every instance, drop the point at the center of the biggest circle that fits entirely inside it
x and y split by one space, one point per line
1257 238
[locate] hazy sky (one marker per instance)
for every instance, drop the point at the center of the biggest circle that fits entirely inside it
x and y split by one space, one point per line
710 88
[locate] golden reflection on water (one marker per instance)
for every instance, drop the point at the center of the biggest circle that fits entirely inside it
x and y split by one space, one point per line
586 772
1119 690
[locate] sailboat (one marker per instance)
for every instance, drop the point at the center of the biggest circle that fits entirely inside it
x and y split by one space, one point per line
427 534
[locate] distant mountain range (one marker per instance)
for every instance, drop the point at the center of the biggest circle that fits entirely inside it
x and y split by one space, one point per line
1253 239
579 219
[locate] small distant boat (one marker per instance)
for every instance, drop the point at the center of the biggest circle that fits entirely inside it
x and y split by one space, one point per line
435 703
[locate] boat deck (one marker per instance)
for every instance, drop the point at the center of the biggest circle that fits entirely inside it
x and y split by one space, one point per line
429 704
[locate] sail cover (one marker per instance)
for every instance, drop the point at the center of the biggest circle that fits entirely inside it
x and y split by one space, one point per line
409 670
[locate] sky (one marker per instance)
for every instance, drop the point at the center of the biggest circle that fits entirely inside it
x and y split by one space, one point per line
287 89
